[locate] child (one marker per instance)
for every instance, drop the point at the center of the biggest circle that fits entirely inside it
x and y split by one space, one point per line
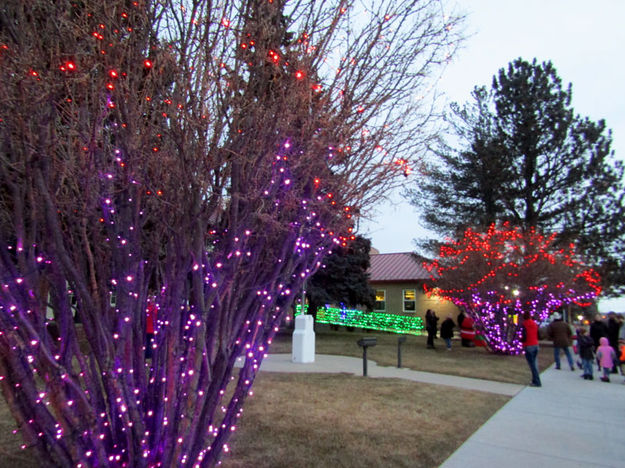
606 357
585 347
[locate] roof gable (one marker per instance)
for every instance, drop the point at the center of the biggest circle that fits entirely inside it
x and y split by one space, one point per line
397 267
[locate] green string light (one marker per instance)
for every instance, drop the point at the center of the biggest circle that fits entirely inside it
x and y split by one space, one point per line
372 320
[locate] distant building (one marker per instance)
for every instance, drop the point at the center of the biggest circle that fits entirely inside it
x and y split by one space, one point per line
398 279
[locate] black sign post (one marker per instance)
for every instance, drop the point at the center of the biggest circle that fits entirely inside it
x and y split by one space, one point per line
365 343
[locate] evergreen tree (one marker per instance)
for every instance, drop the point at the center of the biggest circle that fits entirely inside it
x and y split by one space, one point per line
344 278
525 157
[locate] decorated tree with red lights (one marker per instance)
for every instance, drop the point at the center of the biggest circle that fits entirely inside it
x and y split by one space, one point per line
497 275
206 156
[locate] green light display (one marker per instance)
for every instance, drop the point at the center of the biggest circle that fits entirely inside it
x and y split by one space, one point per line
371 320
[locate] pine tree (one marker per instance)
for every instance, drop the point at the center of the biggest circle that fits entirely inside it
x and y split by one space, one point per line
524 156
343 278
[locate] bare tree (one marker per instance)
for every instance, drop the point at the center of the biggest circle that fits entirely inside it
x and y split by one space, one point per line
497 274
209 155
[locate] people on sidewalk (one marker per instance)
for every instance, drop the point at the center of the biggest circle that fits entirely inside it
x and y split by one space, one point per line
447 331
585 347
598 329
530 344
559 332
613 332
606 357
431 321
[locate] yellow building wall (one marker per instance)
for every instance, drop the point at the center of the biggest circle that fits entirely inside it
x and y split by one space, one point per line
395 304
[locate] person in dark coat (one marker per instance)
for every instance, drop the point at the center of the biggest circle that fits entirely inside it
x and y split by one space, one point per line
560 333
613 327
460 319
431 326
598 329
447 331
586 354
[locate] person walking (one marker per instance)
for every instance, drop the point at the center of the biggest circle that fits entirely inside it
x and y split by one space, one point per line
613 332
585 349
447 331
559 332
530 345
431 321
598 329
606 357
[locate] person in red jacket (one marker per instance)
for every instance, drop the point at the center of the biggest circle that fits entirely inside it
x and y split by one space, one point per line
150 320
530 344
467 332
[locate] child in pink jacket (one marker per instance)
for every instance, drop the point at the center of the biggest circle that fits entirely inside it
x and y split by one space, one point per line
606 357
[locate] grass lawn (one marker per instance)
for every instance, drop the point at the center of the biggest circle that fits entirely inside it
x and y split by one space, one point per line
465 362
10 453
319 420
322 420
339 420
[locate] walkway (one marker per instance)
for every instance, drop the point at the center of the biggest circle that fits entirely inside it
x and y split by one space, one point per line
344 364
568 422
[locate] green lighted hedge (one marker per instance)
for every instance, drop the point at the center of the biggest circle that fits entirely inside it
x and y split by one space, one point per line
371 320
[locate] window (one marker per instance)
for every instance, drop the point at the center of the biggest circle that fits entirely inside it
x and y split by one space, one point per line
380 300
410 300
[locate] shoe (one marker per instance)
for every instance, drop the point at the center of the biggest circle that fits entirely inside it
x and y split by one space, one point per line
572 369
535 385
585 377
448 349
590 377
557 367
605 379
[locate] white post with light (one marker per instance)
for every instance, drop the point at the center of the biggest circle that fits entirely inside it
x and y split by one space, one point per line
303 346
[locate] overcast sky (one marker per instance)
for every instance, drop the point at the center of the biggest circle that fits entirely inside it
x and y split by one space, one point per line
585 42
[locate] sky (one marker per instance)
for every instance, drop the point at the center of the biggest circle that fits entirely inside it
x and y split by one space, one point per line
585 42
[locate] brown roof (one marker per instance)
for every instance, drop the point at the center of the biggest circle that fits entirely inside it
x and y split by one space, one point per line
397 267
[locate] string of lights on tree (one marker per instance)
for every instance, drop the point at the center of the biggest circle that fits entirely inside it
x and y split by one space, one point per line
498 274
136 186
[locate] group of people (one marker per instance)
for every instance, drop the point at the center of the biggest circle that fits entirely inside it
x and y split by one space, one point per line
465 324
600 344
607 340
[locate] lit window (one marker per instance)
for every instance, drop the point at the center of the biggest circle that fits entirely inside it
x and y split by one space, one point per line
410 300
380 299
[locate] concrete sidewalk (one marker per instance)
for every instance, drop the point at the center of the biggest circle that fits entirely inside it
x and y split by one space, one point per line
568 422
343 364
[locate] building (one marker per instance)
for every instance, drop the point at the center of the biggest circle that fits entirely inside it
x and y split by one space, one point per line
398 279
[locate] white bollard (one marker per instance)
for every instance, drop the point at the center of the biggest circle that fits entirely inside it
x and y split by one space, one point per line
303 348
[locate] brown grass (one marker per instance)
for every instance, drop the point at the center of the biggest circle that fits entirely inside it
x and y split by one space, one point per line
465 362
317 420
10 453
347 421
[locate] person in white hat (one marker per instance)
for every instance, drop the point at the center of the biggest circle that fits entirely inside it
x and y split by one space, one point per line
560 333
